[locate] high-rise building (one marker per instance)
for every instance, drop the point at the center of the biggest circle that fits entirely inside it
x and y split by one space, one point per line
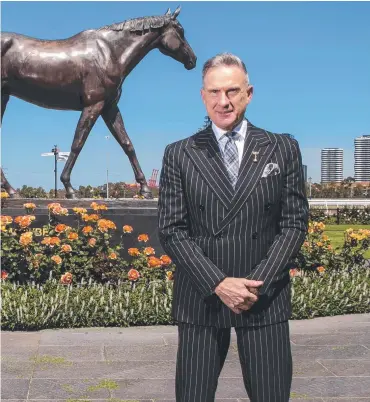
305 172
331 165
362 158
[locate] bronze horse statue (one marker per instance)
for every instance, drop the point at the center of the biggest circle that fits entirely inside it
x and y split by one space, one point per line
85 72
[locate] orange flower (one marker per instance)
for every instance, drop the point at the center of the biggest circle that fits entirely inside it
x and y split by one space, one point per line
293 272
66 248
56 259
330 247
134 252
53 205
87 229
133 274
92 217
29 205
6 219
46 240
169 275
73 236
61 227
96 207
154 262
319 244
4 275
80 210
325 237
105 224
306 244
112 256
127 229
143 237
149 251
24 221
92 242
54 241
320 269
166 260
25 238
66 279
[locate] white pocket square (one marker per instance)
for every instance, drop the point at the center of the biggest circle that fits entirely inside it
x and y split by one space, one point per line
271 169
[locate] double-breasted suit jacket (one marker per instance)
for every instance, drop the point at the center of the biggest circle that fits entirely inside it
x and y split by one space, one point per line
213 231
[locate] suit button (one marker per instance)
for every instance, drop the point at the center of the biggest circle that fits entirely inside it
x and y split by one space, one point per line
201 207
267 206
254 235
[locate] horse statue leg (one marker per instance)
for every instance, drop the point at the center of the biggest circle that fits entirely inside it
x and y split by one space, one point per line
87 120
113 120
4 182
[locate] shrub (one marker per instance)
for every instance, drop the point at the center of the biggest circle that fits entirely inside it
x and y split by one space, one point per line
85 251
35 307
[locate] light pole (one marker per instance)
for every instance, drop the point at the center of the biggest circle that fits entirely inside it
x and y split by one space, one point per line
107 138
55 151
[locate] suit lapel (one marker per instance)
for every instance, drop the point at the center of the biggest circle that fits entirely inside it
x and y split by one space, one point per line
250 171
206 156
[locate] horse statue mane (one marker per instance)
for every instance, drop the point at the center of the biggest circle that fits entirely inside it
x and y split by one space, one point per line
139 24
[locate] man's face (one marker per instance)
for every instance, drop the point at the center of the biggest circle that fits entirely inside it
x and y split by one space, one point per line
226 95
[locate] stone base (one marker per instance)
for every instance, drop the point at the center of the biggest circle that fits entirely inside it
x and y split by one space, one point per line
140 214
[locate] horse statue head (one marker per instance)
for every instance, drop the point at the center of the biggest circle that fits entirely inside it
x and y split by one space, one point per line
172 41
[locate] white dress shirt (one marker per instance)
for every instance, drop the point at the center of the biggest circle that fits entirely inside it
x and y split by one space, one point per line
221 138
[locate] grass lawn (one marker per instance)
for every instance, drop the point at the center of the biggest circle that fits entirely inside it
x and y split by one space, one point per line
335 234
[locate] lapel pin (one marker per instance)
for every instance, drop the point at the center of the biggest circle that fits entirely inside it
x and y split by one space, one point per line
255 154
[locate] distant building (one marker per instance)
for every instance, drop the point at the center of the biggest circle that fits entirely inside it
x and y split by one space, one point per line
362 158
305 172
331 165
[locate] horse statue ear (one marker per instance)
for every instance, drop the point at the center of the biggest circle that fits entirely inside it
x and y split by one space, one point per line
176 12
168 12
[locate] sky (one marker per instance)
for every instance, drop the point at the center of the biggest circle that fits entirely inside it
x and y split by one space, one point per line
309 63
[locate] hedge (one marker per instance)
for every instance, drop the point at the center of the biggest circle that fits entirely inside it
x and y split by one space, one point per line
52 305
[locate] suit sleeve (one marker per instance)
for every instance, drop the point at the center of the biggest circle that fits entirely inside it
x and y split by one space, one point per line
293 223
174 229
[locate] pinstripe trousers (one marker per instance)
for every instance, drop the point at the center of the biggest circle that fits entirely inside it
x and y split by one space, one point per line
264 353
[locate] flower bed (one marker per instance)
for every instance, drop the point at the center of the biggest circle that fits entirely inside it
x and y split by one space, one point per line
76 277
82 252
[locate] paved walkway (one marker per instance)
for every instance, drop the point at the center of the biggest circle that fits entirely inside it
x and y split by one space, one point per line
331 363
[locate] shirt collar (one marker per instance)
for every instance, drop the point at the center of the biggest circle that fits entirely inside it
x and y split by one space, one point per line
241 129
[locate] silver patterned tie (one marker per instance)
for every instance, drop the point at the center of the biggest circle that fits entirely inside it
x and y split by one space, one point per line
231 157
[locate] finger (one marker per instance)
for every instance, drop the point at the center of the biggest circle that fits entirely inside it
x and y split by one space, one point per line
236 310
252 283
245 307
248 296
254 291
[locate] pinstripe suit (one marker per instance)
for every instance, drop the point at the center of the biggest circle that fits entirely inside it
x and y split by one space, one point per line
212 231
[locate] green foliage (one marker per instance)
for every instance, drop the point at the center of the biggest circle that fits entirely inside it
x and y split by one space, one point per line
331 294
32 192
35 307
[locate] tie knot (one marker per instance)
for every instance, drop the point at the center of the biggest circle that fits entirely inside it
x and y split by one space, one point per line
232 134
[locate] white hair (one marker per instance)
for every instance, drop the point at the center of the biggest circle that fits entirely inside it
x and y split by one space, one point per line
224 59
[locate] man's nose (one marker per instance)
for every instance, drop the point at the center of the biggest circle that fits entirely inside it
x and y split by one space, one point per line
223 100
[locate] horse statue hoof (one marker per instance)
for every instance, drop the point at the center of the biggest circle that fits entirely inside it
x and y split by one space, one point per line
146 193
70 196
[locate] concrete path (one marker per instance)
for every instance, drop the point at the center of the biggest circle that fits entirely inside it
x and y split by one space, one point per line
331 363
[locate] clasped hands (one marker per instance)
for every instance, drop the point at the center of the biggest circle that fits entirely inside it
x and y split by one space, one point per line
239 294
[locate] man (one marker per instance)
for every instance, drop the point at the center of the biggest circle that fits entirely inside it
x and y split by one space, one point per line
232 214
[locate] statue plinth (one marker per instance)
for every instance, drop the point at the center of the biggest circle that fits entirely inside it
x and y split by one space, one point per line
141 214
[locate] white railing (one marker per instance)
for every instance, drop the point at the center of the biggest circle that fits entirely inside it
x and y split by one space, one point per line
339 202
